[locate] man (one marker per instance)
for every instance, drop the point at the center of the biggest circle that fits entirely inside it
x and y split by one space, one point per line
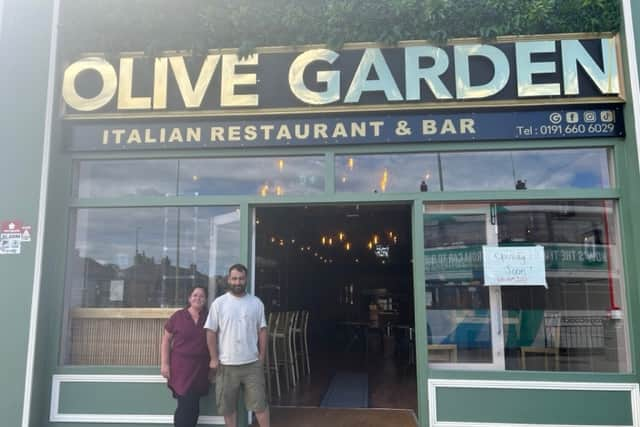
237 341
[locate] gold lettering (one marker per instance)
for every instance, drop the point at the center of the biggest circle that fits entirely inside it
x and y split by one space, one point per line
283 132
299 134
217 133
429 127
320 130
176 135
234 133
118 134
163 135
105 137
377 126
148 138
448 127
193 134
358 129
230 80
267 131
109 84
134 136
339 130
160 73
250 133
193 95
467 126
126 100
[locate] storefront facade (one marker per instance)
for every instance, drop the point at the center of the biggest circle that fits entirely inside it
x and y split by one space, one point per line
516 161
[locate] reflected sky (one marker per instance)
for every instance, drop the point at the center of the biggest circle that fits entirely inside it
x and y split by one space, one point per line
467 171
266 175
112 236
122 178
232 176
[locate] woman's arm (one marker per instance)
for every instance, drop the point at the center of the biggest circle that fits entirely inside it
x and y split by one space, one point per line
165 354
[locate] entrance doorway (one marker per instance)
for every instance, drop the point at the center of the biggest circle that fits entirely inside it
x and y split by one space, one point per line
337 284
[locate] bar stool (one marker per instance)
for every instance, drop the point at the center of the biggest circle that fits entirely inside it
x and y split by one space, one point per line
305 340
282 350
300 344
271 361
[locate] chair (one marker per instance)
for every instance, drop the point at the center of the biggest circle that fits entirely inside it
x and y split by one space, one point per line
551 325
271 361
300 343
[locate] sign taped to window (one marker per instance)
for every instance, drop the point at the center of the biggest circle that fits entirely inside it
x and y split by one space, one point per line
514 266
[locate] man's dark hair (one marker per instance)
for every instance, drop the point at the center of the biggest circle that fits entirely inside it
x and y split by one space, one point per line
238 267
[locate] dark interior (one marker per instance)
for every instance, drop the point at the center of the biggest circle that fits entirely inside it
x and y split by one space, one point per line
350 267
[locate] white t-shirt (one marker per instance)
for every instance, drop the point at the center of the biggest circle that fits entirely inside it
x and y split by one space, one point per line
237 320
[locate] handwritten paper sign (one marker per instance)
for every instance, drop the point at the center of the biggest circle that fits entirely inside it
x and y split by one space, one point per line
514 266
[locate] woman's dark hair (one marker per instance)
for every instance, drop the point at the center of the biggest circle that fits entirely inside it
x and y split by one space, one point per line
206 294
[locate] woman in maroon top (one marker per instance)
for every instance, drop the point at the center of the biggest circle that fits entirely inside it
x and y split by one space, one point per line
184 357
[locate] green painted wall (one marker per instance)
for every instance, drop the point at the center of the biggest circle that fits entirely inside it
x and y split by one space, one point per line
24 55
558 407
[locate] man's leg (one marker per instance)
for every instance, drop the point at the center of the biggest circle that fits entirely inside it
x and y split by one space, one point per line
230 420
256 393
263 418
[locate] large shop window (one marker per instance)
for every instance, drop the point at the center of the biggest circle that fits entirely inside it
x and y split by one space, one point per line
469 171
265 176
130 268
575 323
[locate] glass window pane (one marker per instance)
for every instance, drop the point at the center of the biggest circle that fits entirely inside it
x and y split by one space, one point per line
566 326
575 323
474 170
458 308
393 173
132 267
265 176
111 178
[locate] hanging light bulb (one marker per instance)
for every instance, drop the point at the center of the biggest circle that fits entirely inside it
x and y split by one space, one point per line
280 164
350 163
330 241
370 245
347 246
324 240
264 190
384 180
341 236
375 239
279 191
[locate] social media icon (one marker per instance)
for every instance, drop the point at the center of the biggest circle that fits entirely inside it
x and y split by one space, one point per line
572 117
589 116
606 116
555 118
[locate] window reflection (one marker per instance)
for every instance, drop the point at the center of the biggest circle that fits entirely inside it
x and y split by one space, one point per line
131 267
391 173
573 324
468 171
267 176
121 178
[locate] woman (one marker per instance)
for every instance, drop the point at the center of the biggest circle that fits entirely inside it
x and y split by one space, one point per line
184 357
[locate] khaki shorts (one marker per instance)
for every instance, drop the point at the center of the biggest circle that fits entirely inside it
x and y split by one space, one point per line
229 378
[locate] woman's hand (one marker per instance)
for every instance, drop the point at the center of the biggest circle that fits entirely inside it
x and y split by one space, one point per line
165 370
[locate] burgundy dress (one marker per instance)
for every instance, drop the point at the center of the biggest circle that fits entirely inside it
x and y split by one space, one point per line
189 360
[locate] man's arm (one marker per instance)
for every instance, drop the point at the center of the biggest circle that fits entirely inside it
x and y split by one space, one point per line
262 343
212 344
